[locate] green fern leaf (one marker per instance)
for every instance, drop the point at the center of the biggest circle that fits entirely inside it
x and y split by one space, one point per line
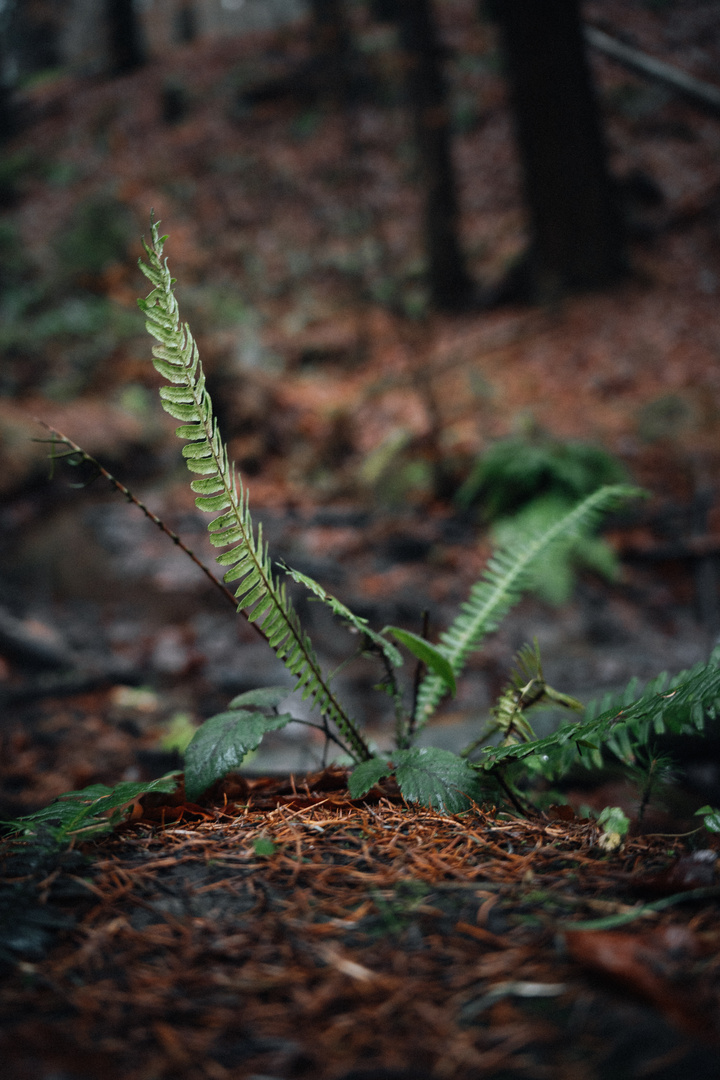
681 707
507 576
220 491
89 812
355 621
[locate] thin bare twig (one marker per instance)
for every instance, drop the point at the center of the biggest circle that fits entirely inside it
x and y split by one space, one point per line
73 448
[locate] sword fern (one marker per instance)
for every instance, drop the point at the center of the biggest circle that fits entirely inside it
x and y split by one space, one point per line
507 576
442 781
220 491
435 777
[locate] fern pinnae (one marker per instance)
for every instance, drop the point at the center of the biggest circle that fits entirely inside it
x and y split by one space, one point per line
505 578
219 490
680 707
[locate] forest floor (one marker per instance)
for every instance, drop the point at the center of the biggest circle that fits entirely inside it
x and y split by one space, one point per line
290 932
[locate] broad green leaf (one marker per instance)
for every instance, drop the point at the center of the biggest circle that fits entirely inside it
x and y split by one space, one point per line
221 745
711 818
429 654
613 820
436 778
265 697
365 776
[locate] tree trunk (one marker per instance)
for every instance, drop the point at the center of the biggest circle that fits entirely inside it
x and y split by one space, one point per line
449 283
124 40
185 23
8 80
577 236
333 47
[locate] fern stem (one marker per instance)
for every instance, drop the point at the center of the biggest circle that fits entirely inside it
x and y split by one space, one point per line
420 673
522 808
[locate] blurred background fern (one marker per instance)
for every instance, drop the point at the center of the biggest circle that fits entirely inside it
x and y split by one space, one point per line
522 484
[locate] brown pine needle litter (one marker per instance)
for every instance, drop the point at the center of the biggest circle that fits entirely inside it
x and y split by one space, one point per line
300 934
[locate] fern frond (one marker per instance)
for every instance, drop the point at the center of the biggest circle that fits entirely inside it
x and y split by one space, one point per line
681 705
358 624
629 739
220 491
526 690
506 577
373 642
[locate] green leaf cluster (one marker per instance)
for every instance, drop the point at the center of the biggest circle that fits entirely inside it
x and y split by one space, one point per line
515 472
450 783
621 724
711 818
86 814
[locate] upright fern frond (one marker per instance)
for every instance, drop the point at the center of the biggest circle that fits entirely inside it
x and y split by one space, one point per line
220 491
506 577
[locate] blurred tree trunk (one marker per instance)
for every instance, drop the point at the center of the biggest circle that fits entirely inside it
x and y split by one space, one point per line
124 38
449 284
8 77
332 47
185 24
577 235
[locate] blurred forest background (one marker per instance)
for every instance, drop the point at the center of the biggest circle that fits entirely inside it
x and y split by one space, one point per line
418 243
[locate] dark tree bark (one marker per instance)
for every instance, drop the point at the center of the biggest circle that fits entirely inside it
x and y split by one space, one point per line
8 107
10 31
333 50
124 38
577 236
185 23
9 122
449 283
331 74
